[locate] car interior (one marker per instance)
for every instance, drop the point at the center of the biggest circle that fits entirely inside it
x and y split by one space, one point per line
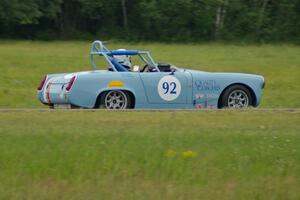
141 67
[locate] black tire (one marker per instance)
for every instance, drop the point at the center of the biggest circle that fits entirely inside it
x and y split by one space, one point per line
125 95
228 97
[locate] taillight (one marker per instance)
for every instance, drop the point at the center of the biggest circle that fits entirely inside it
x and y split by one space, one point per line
72 80
42 83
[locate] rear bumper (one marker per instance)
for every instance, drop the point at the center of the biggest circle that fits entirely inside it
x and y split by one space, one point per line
53 98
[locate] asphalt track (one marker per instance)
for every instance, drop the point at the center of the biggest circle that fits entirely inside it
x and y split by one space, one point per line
6 110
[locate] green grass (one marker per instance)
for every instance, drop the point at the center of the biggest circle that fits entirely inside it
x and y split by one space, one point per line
246 154
24 63
150 155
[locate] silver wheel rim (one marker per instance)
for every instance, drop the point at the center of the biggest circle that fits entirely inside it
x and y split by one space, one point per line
115 100
238 99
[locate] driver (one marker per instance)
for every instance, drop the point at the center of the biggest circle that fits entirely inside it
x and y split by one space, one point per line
124 60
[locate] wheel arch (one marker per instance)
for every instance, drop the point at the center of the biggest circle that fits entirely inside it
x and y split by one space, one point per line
129 92
253 95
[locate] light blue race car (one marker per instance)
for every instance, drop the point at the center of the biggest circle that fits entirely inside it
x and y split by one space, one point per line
133 80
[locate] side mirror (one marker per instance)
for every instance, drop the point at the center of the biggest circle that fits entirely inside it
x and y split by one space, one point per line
136 68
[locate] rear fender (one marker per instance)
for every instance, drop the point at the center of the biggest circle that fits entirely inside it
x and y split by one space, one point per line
125 89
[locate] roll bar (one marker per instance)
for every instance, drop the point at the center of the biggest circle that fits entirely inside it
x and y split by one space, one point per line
98 48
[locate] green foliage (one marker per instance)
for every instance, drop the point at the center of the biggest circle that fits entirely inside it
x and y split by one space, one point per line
50 9
20 12
156 20
28 11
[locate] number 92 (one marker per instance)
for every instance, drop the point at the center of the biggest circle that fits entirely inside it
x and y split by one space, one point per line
169 88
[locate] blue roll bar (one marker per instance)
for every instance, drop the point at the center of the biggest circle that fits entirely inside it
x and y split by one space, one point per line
98 48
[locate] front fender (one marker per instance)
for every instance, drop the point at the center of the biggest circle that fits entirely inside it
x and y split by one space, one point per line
212 85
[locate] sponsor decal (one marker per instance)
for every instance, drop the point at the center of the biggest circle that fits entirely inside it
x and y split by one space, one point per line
210 85
199 96
212 96
169 88
116 84
207 96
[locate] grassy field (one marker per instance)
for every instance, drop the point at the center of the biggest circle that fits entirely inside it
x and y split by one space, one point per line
150 155
24 63
246 154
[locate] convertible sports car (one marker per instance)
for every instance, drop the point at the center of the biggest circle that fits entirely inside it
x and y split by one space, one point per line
133 79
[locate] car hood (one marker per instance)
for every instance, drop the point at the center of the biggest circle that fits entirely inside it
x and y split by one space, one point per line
225 74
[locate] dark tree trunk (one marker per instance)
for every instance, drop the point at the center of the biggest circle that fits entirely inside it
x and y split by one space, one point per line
262 15
125 16
68 18
220 18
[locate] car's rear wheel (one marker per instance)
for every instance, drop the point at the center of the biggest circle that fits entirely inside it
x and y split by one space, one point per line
115 100
236 96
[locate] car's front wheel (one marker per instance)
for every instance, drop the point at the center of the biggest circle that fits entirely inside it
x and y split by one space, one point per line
115 100
236 96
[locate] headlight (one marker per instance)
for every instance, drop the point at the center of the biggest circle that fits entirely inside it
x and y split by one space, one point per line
264 83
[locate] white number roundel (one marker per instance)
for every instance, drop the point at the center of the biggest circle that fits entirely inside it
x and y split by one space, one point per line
169 88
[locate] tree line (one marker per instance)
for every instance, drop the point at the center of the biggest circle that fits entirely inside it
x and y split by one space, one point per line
153 20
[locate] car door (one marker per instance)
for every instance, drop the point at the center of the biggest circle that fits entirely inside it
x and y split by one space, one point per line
165 87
